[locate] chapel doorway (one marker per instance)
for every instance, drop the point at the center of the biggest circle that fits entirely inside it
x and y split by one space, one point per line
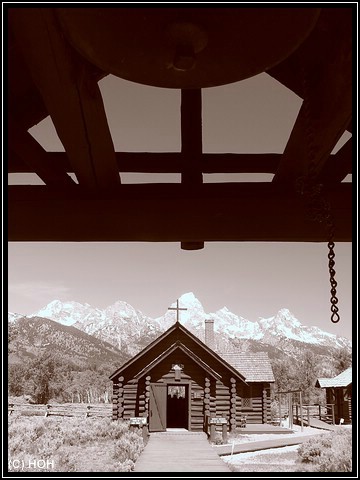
177 406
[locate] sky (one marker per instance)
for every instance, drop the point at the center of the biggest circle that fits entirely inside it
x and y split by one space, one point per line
252 279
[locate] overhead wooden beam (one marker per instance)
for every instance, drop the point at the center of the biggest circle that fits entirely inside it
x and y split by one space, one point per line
71 95
191 137
216 212
35 157
338 166
171 162
326 111
191 147
28 109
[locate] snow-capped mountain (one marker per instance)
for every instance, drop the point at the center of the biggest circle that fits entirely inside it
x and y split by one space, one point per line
119 324
123 326
267 330
69 313
130 330
284 324
194 318
12 317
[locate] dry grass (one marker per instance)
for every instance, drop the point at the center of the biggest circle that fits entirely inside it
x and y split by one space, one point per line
38 444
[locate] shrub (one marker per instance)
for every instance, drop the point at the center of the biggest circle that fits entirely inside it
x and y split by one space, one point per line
63 441
329 452
128 447
218 440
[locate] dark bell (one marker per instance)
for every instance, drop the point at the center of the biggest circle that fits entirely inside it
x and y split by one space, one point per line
186 47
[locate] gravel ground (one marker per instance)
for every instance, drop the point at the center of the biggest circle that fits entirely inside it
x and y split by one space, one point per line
271 436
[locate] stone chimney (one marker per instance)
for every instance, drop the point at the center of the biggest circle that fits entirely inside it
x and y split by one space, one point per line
209 333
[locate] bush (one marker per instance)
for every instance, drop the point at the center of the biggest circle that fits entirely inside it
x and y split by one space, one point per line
64 441
329 452
128 447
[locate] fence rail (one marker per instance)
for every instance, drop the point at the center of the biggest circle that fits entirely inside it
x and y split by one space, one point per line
322 412
63 410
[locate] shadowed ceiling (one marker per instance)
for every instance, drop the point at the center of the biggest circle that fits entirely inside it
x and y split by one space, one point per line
56 57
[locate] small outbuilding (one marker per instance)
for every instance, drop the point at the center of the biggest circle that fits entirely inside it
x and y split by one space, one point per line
178 381
339 393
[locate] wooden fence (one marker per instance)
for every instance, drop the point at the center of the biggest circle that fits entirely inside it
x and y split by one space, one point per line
62 410
325 413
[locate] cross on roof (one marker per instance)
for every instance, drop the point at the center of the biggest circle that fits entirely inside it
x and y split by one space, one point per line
177 308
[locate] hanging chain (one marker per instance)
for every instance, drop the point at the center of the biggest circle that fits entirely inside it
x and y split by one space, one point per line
318 208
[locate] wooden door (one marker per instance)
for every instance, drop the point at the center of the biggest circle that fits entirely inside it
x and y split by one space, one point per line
157 420
339 409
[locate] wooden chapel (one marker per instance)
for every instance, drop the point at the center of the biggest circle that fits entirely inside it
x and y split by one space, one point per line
180 382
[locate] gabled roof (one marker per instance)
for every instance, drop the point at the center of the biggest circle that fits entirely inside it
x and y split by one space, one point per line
342 380
255 366
189 353
201 344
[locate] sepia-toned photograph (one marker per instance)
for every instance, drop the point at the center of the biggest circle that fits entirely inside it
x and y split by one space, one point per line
179 239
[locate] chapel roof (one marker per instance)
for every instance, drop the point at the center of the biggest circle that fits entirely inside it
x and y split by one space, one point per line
342 380
255 366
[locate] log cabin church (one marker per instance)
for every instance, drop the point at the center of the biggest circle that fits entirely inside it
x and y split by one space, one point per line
178 381
339 393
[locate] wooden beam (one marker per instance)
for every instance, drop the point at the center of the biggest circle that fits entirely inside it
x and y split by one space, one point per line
215 212
28 109
35 157
338 166
71 95
191 147
143 162
191 137
326 111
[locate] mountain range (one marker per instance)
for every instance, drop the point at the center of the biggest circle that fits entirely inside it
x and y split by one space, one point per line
29 338
129 330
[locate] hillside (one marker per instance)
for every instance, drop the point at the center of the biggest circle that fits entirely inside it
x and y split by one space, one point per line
31 337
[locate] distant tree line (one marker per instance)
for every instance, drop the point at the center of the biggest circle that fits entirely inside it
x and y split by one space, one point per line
301 373
49 378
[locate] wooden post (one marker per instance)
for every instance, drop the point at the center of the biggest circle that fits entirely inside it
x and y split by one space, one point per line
333 413
115 401
224 433
308 415
191 136
301 412
147 395
212 432
264 402
280 410
291 412
120 399
145 433
319 412
233 405
206 404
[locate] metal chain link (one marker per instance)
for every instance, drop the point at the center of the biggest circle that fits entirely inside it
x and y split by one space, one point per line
318 208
